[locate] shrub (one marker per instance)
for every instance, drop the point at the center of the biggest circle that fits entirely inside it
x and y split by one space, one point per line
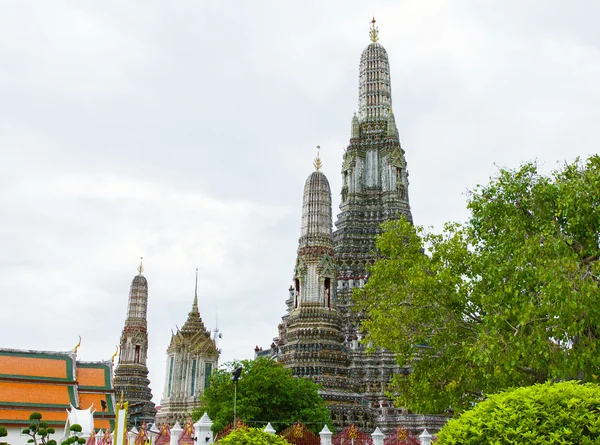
3 433
75 437
252 436
557 413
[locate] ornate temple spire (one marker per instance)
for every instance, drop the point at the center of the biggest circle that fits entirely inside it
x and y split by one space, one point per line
195 304
374 91
316 209
315 270
194 321
131 374
137 305
312 298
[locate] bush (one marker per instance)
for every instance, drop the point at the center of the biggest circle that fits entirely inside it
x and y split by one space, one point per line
3 433
557 413
252 436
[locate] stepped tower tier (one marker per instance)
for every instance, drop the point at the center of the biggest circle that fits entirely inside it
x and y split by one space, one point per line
131 373
192 356
311 342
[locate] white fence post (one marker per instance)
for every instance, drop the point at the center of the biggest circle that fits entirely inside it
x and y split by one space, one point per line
377 437
269 429
325 436
425 437
203 430
131 435
175 433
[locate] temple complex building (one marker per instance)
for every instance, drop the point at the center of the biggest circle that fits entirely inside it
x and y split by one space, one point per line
192 356
51 383
319 336
131 374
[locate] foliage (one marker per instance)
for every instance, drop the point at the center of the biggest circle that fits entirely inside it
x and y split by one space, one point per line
39 430
252 436
507 299
3 433
266 392
74 438
559 413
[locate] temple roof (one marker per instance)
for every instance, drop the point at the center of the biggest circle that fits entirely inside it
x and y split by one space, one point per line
49 383
193 334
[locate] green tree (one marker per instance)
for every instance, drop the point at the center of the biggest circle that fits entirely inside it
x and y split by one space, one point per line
508 299
75 437
252 436
266 392
561 413
39 430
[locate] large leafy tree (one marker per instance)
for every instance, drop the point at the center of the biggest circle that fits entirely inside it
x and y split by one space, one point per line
510 298
266 392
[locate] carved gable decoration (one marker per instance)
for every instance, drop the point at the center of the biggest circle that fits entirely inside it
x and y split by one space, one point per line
352 435
397 158
327 267
401 436
298 434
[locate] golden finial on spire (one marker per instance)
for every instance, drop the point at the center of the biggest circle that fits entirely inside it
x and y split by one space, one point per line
77 345
318 164
374 32
141 267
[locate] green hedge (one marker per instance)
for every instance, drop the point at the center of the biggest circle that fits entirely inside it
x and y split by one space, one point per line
552 413
252 436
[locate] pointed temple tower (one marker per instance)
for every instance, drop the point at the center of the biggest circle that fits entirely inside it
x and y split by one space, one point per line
131 374
192 356
312 343
374 190
320 335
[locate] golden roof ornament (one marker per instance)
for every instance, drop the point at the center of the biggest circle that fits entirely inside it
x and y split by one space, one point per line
318 164
140 268
112 359
77 345
374 32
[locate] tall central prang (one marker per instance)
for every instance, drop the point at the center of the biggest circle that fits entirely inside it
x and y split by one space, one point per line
319 337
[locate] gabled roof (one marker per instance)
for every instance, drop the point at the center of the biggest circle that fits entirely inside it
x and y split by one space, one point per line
49 383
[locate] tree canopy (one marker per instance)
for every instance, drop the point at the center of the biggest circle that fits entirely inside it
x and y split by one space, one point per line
561 413
266 392
509 298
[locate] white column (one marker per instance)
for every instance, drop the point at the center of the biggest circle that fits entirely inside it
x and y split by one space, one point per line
325 436
175 433
377 437
203 430
425 437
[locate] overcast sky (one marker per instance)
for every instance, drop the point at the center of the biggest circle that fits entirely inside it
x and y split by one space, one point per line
183 132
